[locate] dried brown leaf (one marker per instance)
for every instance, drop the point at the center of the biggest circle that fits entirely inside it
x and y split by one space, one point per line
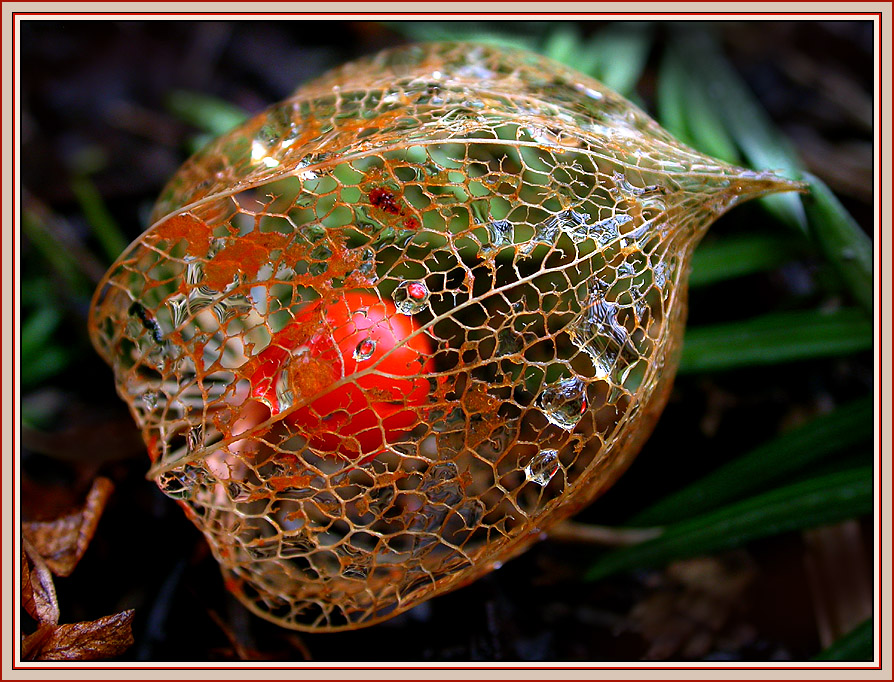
34 642
63 541
89 641
38 591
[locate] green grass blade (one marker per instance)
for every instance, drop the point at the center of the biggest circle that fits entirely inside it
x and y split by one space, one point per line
61 260
815 502
621 52
210 114
35 291
671 98
775 338
789 453
38 329
841 239
764 147
857 645
424 31
51 361
587 60
705 123
563 44
107 232
41 357
724 259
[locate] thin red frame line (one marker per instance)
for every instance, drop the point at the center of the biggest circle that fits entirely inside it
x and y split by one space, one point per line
16 15
881 362
15 230
756 15
13 273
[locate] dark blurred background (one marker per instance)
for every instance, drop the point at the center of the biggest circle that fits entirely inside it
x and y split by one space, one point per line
102 131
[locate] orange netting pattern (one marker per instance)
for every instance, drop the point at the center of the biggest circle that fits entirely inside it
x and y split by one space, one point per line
383 335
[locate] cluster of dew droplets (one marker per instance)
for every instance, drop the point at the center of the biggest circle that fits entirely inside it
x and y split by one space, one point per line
181 483
224 305
597 332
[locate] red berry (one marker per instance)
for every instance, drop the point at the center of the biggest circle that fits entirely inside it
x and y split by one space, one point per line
364 344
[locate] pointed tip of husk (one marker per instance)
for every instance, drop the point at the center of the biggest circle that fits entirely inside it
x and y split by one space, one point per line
753 184
745 185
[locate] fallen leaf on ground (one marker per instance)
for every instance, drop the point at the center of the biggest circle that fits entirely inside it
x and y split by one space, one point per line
35 641
62 541
38 591
89 641
56 546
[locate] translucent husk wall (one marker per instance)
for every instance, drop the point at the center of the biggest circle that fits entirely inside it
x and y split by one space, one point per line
383 335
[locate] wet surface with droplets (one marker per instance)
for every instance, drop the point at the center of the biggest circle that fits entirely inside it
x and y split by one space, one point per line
383 338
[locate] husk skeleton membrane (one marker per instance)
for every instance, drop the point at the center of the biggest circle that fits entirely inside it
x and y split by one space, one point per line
546 224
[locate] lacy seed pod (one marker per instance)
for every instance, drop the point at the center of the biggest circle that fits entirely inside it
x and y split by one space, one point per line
383 335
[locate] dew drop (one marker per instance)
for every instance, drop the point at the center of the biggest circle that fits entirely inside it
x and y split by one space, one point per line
471 512
509 342
598 332
544 233
284 395
194 271
564 402
365 349
441 484
238 492
380 499
411 297
606 231
231 306
159 352
177 306
200 298
588 91
500 233
263 549
573 223
542 467
149 323
640 309
150 399
305 199
626 269
446 422
660 272
624 188
367 266
174 484
473 71
356 571
194 438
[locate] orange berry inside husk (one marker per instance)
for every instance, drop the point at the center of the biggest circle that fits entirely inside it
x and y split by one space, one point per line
359 366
